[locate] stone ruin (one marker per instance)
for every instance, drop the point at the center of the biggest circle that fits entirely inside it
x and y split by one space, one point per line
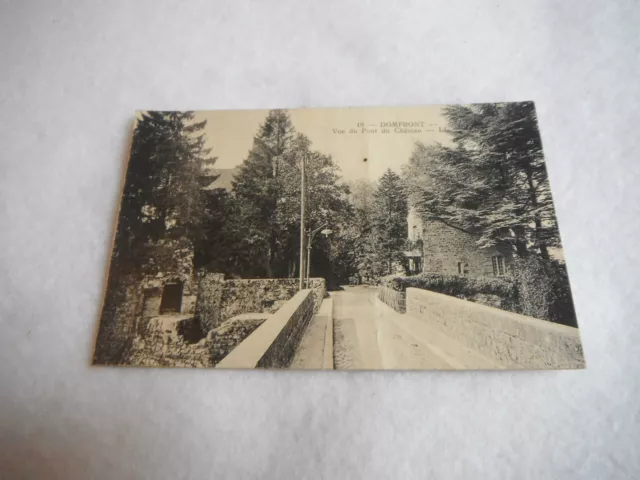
196 320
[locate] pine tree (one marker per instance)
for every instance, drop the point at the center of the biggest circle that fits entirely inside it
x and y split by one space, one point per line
258 185
492 181
390 221
267 192
159 218
162 197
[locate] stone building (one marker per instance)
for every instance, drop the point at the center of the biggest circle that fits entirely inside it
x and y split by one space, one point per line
171 288
167 288
446 249
170 314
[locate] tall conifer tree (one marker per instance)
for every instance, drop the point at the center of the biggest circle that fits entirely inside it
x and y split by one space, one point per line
390 221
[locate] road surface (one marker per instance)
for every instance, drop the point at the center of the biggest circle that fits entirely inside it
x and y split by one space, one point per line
369 335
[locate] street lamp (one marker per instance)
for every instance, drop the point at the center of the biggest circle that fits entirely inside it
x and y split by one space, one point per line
310 234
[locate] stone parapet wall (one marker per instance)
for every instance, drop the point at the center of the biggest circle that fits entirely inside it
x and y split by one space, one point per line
326 311
162 343
274 343
208 304
176 341
265 294
513 340
219 299
393 298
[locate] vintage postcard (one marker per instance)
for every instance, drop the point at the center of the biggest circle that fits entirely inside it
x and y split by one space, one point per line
344 238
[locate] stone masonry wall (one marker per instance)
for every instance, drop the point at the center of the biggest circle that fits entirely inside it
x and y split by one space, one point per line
118 322
445 247
220 299
170 341
257 295
224 338
162 343
173 261
282 350
396 300
131 301
208 304
274 343
513 340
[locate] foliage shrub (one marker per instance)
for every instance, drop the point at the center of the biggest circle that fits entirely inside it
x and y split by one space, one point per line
543 290
536 288
561 308
466 288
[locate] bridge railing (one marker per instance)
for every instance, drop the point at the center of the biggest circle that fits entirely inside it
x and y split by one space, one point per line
273 344
510 339
393 298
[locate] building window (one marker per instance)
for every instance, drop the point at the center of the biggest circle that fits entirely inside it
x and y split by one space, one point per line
498 265
415 265
414 233
171 301
463 268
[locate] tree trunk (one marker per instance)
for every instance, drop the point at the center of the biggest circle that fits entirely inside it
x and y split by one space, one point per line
292 269
520 242
271 255
267 265
544 252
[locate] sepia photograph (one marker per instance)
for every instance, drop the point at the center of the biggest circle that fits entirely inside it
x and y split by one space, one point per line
374 238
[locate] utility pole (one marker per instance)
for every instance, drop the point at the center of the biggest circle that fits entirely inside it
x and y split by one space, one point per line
302 213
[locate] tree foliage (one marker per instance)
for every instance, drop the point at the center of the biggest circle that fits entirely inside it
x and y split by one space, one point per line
373 235
160 217
389 222
491 181
266 193
352 245
162 198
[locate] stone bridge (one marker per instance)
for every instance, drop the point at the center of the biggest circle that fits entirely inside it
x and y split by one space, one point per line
368 328
464 334
358 329
436 332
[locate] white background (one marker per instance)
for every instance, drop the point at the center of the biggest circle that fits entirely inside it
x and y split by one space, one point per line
73 72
